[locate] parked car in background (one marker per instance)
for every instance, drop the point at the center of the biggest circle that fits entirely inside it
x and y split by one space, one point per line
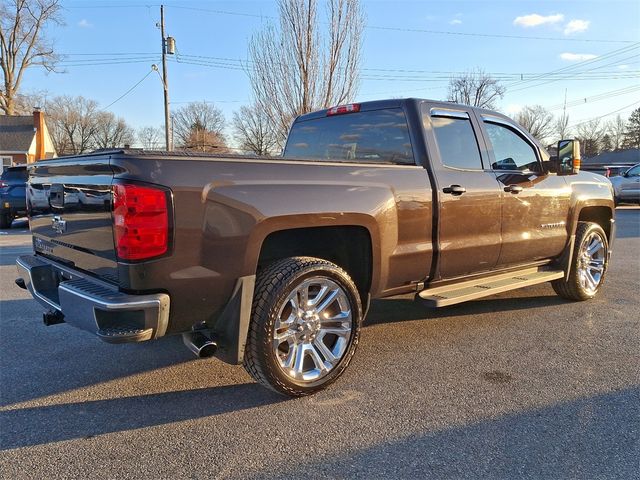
626 187
13 184
38 197
616 170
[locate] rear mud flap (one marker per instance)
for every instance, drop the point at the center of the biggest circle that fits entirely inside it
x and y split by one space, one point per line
232 326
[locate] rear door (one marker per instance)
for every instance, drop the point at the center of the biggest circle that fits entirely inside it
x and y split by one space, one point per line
535 204
70 216
469 197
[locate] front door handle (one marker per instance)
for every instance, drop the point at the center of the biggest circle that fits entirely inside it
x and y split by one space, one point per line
515 189
454 190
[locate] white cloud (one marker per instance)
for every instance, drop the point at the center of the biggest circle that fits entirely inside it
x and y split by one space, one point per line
534 19
623 67
575 26
577 57
455 21
84 23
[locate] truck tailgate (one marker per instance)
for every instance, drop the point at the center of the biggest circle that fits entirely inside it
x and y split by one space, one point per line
71 222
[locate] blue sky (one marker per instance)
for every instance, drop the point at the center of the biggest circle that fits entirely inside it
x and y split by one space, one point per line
110 46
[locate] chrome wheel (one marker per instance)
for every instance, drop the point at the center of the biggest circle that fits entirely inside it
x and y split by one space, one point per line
311 332
591 262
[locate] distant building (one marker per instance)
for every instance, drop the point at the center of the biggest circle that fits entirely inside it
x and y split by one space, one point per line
626 158
24 139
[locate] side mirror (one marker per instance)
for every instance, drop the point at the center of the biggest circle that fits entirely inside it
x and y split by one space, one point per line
568 162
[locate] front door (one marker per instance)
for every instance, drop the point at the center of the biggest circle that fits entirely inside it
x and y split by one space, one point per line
535 206
469 196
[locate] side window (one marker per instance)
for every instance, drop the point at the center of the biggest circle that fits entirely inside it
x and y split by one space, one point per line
457 142
634 172
511 151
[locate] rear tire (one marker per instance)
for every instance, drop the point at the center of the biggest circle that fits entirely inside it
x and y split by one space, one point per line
5 220
305 326
588 264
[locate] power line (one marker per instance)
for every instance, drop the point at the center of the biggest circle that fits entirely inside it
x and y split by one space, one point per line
545 82
420 30
605 115
433 76
595 98
577 65
375 27
237 63
129 91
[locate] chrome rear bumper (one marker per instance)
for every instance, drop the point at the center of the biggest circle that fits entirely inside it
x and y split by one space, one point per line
93 305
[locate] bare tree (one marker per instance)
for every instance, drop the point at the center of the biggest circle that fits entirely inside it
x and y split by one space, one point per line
562 127
538 121
296 67
616 129
73 123
151 138
590 135
197 117
25 103
203 140
112 132
253 131
475 88
22 43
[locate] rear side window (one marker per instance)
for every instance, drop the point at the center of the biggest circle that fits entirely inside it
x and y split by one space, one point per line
377 136
457 142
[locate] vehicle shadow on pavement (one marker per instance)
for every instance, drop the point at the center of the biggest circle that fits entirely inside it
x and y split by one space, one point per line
40 425
398 309
38 361
592 437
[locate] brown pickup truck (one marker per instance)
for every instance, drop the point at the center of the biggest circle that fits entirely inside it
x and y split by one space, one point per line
272 262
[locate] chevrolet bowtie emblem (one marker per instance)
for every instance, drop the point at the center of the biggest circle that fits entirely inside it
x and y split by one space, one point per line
58 224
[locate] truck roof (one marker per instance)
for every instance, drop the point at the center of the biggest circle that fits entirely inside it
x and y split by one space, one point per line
395 103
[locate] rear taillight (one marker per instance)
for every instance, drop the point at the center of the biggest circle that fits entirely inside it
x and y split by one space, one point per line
140 221
342 109
3 184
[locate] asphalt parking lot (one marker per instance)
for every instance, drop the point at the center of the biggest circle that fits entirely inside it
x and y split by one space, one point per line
519 385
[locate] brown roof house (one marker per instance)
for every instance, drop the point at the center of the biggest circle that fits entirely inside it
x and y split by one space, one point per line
24 139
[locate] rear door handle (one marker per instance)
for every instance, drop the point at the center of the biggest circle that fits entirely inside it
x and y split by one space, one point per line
515 189
454 190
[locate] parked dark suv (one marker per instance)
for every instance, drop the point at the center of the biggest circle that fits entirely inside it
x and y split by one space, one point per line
13 184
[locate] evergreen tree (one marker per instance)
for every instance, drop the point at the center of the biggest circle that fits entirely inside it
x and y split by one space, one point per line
632 133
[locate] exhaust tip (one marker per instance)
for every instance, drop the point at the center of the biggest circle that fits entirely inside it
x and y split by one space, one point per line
201 345
208 350
52 318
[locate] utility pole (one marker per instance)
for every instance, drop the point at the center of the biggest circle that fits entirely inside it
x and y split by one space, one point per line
165 83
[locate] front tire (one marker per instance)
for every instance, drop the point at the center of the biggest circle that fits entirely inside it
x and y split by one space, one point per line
588 264
305 326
